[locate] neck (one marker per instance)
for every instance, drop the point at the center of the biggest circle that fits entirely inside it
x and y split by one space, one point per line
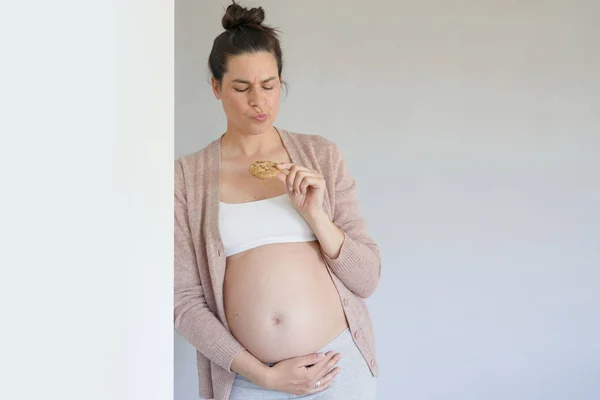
238 143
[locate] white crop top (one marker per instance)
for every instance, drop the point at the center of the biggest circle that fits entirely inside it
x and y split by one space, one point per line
244 226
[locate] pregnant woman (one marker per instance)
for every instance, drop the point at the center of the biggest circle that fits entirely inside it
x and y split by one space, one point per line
270 275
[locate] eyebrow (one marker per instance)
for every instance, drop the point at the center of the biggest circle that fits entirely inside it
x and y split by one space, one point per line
248 82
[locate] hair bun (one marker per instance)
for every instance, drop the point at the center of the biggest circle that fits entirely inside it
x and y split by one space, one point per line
237 16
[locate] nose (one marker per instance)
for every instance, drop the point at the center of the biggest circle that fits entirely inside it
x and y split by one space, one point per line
256 98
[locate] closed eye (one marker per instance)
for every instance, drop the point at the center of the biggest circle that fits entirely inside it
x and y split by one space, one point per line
246 89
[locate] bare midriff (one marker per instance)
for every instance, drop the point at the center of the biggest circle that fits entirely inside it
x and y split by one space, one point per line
281 302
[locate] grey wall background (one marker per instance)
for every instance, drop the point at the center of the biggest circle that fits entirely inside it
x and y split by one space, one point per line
473 130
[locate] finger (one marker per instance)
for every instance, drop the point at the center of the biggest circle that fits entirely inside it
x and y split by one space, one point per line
320 368
287 166
304 185
301 176
298 180
313 181
311 359
320 364
327 365
282 177
291 177
324 382
283 166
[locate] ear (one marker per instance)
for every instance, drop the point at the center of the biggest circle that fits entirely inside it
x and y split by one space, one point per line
216 87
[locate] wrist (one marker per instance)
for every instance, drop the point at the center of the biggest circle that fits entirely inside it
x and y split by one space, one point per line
265 377
252 369
317 218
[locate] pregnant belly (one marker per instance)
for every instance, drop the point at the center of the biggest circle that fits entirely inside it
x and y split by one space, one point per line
280 301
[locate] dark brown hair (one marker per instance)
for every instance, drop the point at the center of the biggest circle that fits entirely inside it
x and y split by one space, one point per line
244 33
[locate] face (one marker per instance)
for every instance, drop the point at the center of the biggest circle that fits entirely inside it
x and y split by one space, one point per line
250 92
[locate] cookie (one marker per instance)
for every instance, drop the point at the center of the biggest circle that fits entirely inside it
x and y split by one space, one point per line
264 169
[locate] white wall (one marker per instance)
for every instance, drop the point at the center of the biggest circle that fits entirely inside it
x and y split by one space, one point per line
86 211
473 130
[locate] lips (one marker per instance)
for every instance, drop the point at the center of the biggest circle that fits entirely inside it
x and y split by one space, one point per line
260 117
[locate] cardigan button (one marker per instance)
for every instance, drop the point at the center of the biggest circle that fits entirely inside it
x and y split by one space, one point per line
346 302
219 252
357 335
373 363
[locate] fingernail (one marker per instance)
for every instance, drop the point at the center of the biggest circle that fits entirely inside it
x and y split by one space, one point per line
321 355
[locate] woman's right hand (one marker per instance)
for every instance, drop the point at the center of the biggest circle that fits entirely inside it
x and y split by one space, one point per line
305 374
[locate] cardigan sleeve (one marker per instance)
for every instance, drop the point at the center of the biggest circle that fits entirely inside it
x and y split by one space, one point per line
193 319
358 265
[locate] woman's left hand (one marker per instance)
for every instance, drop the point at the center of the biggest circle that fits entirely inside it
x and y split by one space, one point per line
306 189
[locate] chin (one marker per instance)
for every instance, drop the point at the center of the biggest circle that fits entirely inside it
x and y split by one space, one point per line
259 129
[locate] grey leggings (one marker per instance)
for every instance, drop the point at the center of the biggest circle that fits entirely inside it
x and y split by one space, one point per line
354 382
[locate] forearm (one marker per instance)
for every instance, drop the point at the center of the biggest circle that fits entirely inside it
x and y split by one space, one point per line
203 330
356 264
251 368
330 237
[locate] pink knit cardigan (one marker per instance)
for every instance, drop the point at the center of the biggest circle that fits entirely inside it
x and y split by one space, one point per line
200 256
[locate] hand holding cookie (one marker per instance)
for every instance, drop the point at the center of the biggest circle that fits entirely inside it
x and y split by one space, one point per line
306 188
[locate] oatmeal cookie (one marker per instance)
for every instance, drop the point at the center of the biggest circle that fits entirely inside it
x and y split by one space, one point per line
264 169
